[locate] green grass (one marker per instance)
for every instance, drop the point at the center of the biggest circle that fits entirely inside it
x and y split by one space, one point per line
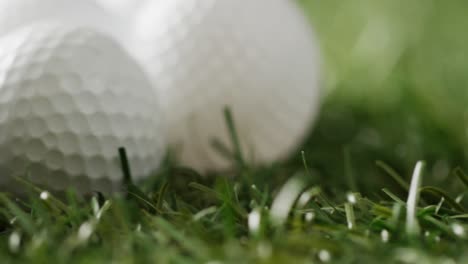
329 203
354 192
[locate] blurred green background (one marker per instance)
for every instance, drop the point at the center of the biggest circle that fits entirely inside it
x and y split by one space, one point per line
396 76
376 47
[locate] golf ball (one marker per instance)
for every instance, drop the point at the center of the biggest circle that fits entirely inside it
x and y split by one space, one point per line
123 9
258 57
17 13
69 98
124 13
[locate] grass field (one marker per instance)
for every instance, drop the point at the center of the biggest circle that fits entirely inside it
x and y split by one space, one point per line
382 177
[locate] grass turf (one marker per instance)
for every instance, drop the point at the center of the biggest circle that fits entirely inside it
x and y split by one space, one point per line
320 206
354 192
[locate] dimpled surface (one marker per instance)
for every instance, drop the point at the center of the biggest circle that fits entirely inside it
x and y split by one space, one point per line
18 13
259 57
69 97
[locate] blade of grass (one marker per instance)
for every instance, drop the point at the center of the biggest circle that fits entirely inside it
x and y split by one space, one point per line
393 174
441 194
240 211
461 175
412 226
304 163
350 217
22 217
284 200
38 190
393 196
127 176
234 137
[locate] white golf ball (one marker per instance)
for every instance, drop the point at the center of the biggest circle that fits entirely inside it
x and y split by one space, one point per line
69 98
259 57
17 13
123 9
124 14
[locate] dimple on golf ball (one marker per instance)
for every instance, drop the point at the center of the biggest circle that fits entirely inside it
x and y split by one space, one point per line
257 57
69 98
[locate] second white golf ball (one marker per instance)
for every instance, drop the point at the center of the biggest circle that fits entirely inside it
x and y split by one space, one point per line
258 57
